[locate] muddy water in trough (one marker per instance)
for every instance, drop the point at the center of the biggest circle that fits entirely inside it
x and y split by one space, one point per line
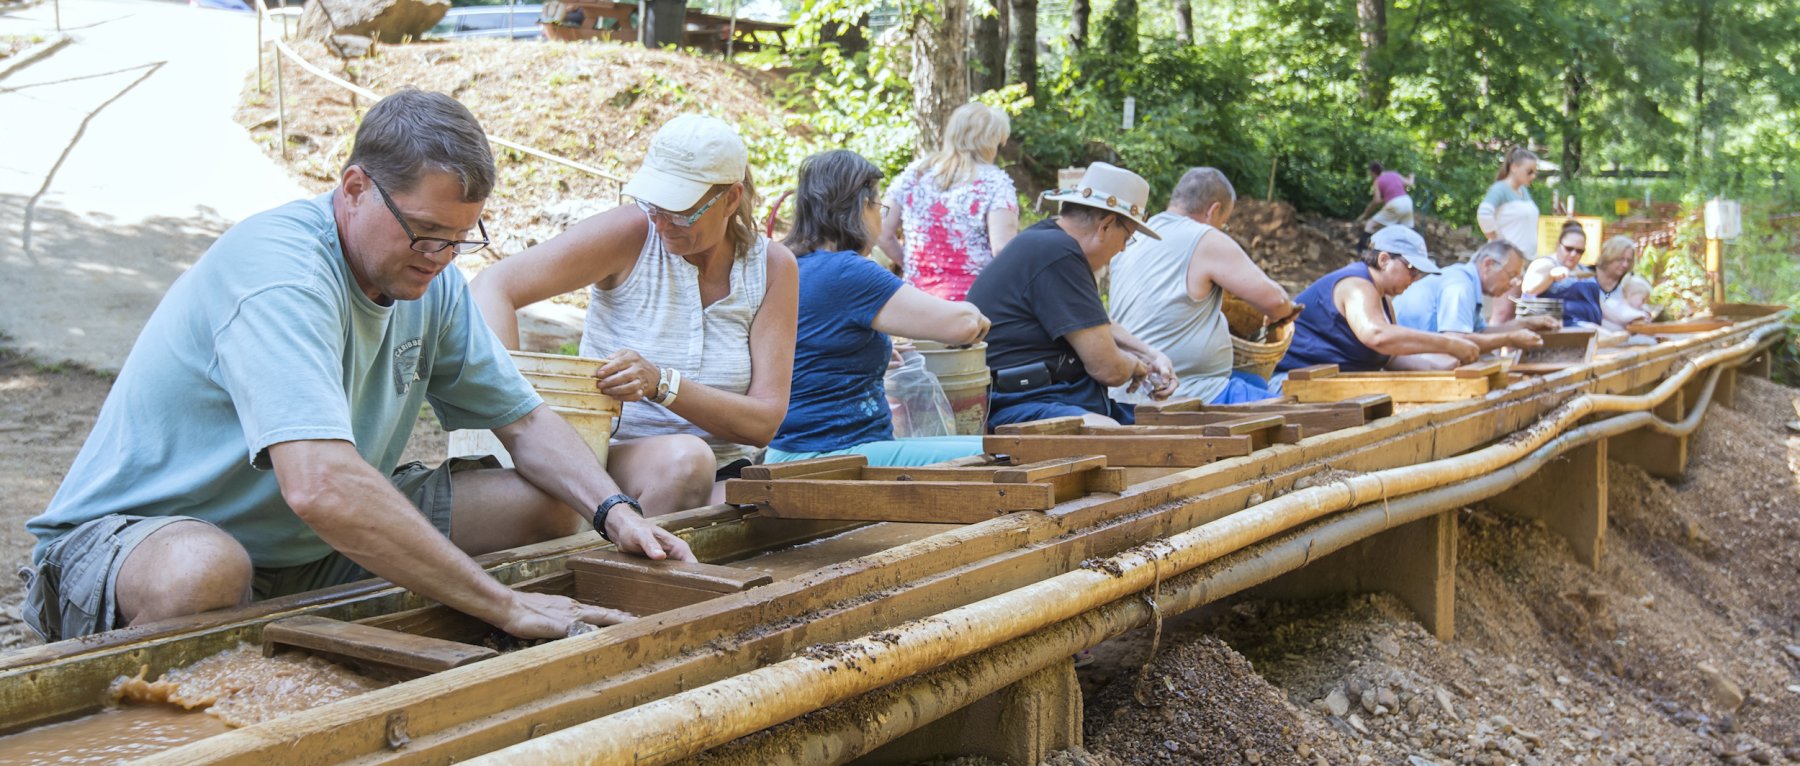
238 687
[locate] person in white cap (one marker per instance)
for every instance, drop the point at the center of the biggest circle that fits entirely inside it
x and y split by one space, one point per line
691 306
1052 349
1348 316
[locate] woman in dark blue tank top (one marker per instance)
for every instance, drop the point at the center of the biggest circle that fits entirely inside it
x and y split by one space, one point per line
1367 339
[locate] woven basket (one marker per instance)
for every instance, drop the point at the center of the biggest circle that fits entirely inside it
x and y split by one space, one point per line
1248 355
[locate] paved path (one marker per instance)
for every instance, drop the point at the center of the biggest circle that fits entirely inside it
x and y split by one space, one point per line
121 150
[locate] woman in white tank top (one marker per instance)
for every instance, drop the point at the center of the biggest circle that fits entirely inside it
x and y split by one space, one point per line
693 309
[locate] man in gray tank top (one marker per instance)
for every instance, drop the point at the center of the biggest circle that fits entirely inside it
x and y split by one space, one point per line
1168 292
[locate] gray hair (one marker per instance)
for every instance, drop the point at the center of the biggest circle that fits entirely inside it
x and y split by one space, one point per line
413 131
1200 188
1498 252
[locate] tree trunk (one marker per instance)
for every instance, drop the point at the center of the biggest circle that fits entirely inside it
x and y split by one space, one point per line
940 72
1024 44
1079 10
989 39
1371 24
1184 21
1700 44
1574 86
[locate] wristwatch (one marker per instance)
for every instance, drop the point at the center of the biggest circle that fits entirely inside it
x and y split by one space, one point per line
606 506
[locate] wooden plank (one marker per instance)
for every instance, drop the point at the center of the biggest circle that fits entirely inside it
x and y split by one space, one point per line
667 572
402 654
1045 470
940 502
833 465
1122 451
1479 370
1245 425
1113 480
439 621
1048 426
1171 405
1313 372
1402 388
1677 328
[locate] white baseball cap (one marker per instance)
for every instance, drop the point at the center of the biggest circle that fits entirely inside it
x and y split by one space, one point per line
688 156
1406 243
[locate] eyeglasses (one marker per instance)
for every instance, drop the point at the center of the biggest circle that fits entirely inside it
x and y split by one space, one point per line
430 244
681 220
1570 248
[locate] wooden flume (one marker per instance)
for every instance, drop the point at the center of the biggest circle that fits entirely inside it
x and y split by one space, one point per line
501 701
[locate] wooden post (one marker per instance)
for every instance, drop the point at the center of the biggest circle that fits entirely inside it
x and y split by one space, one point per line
1660 456
1569 496
1715 269
1416 562
1021 724
1761 365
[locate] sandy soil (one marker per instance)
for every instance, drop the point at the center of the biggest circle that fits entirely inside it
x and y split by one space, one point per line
1683 649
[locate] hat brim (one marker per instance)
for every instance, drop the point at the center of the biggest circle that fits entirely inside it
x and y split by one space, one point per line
1421 263
665 191
1136 223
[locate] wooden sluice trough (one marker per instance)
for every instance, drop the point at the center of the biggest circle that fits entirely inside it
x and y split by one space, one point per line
883 574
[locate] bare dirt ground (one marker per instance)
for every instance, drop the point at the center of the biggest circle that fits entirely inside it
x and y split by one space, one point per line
1683 649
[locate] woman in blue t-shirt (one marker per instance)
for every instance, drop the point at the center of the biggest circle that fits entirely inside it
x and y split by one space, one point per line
848 306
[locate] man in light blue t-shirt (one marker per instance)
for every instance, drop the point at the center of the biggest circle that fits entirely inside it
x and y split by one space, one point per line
250 445
1450 302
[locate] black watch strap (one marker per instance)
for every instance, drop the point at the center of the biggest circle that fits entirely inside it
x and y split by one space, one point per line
606 506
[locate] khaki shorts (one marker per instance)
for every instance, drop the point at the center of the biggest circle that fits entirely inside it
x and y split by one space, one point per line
71 592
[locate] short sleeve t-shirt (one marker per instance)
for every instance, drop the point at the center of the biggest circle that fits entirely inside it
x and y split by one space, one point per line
1037 291
1446 302
946 229
268 339
1390 184
837 399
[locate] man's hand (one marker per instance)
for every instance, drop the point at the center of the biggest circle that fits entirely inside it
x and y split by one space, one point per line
1162 375
632 534
547 615
1540 323
1523 339
1463 349
628 377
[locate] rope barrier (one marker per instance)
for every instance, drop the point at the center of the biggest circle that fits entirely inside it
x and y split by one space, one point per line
282 49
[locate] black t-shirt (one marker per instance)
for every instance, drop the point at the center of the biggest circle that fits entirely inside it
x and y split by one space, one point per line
1037 290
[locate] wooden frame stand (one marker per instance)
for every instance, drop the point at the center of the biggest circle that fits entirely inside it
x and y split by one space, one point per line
1415 561
1324 383
1569 496
1562 349
1661 456
846 487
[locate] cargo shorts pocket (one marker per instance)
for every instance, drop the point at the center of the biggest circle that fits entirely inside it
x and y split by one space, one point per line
73 579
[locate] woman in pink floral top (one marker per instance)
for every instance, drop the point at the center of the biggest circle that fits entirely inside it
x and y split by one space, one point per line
957 207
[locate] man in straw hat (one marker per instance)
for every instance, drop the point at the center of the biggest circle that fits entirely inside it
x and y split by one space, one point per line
1052 349
1170 291
250 447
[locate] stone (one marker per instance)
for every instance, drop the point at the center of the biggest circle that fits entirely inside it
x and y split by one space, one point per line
1368 700
1387 699
1171 745
1253 757
1793 650
1387 645
1357 724
385 20
1724 692
1443 700
1419 760
1337 703
1502 724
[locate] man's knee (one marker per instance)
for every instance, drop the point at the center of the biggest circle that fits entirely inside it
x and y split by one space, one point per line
182 568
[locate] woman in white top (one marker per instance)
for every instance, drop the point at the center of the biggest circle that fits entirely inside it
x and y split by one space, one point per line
694 311
957 207
1508 212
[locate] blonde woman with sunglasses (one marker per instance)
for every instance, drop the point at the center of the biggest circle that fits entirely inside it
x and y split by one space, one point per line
691 306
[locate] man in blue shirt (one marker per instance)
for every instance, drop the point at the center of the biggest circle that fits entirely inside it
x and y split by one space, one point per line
1450 301
250 445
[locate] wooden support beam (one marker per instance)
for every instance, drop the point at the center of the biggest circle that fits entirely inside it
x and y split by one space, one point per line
942 502
1726 392
1416 562
1413 387
1122 451
1021 724
386 652
1047 427
1569 496
1044 470
642 586
818 467
1660 456
1761 365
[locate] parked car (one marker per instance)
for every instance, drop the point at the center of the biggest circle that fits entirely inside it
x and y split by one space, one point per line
490 21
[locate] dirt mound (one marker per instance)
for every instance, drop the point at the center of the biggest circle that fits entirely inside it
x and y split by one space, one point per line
1684 648
596 103
1296 248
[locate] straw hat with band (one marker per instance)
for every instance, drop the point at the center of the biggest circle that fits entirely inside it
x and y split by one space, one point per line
688 156
1113 189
